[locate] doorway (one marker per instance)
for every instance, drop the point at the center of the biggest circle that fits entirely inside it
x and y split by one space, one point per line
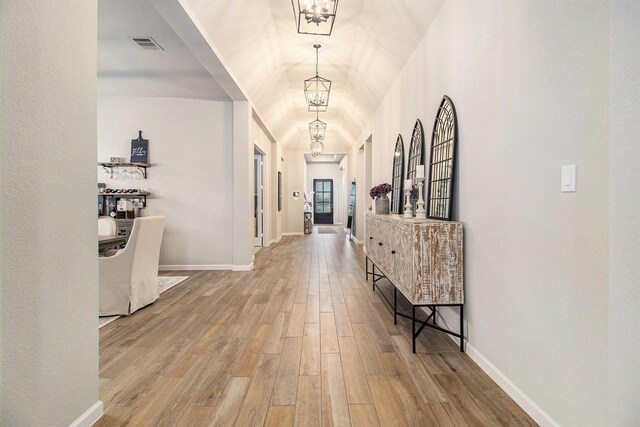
323 201
258 208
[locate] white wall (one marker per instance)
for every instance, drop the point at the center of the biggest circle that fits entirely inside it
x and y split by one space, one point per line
191 180
328 171
624 209
293 177
243 203
529 82
48 198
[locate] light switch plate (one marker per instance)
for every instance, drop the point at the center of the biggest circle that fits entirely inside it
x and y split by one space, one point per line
568 179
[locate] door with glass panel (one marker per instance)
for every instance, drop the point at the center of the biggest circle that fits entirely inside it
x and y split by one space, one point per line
323 201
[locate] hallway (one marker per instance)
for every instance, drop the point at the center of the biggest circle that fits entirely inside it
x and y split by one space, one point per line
301 339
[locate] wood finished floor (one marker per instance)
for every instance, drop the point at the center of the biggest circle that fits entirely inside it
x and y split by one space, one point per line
300 340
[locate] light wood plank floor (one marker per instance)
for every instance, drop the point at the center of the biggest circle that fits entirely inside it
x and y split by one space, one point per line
300 340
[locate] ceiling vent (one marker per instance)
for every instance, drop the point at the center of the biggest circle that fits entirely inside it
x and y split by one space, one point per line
147 43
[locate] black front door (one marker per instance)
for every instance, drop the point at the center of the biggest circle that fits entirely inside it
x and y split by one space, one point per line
323 201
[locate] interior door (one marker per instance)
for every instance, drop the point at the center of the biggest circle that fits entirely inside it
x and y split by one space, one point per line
323 201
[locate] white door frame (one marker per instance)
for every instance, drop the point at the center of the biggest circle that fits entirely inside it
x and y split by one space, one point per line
258 164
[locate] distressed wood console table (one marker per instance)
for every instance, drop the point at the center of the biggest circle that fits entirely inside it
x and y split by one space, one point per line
423 259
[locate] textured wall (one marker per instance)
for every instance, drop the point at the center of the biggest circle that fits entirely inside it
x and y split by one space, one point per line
47 176
529 81
624 208
190 147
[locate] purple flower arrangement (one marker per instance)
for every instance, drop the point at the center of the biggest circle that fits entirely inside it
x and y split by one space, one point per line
380 190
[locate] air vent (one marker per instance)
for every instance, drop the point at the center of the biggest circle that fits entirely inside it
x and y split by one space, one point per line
147 43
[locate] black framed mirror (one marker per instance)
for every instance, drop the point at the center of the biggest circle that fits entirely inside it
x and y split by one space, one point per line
442 161
397 177
416 158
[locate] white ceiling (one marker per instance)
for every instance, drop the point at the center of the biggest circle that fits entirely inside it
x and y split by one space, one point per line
371 42
126 69
324 158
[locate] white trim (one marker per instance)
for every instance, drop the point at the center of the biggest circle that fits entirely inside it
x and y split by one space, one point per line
231 267
274 241
196 267
519 396
242 267
293 233
90 416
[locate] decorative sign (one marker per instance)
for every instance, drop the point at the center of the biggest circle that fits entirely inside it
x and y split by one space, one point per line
139 149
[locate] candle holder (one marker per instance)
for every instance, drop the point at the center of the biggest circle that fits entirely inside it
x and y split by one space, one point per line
407 205
420 212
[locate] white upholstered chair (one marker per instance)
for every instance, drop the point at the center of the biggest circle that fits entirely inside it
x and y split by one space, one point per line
129 279
106 226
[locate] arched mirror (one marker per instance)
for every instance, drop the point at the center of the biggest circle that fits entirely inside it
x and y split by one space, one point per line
416 158
442 161
397 177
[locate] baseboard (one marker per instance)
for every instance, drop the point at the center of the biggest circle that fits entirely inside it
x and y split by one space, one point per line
248 267
90 416
230 267
520 397
293 233
274 241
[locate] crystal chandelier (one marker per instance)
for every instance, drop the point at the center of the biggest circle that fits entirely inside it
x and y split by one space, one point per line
317 129
315 16
317 89
317 148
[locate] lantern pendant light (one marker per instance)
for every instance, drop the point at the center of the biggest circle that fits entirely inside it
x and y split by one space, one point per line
317 129
317 148
315 16
317 89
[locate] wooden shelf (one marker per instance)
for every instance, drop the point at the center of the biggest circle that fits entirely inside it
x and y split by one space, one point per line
142 167
124 165
143 193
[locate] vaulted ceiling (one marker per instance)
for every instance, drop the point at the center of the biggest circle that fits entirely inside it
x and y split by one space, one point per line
371 41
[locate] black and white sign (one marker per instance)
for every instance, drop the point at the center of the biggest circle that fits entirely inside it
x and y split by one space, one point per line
139 149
